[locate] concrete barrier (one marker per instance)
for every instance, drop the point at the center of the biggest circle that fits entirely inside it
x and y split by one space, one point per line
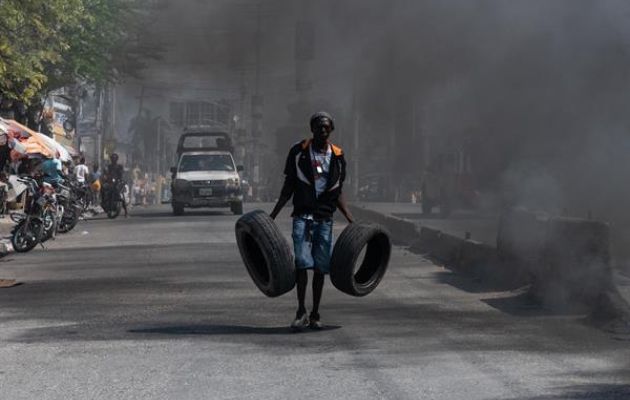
476 258
565 260
447 250
402 232
521 238
427 240
576 262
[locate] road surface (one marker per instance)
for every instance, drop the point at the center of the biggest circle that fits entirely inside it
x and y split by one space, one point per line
161 307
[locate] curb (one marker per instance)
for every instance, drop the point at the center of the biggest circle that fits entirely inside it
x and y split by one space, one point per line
5 249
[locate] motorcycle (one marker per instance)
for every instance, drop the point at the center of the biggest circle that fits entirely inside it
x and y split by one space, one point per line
82 195
38 222
69 208
112 198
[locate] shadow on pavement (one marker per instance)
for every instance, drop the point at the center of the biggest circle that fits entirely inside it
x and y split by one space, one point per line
517 301
590 392
522 304
225 330
471 284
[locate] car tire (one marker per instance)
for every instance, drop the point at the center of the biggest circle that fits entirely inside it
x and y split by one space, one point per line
362 280
266 253
178 209
237 208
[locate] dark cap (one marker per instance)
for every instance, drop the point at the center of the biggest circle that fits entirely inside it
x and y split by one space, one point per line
321 115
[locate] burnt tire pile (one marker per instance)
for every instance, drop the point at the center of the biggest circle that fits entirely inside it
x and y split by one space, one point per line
269 260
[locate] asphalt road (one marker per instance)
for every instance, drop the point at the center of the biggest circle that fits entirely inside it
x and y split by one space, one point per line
160 307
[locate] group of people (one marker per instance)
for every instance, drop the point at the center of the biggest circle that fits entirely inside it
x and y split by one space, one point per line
145 190
53 171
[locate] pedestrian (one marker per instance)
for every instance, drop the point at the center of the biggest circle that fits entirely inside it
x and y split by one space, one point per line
81 171
95 184
314 174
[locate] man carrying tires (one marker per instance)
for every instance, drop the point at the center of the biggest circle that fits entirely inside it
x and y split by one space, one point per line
314 173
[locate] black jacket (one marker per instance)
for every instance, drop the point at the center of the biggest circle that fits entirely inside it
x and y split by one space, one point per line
300 182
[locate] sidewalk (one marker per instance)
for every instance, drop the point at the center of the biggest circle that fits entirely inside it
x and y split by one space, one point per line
6 224
484 228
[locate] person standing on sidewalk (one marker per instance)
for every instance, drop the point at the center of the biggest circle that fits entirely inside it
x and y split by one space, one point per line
81 171
314 174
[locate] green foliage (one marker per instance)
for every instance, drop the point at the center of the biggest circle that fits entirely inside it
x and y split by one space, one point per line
47 44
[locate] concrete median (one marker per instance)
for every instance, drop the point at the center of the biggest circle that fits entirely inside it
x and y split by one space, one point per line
575 265
565 260
521 238
402 232
447 250
427 240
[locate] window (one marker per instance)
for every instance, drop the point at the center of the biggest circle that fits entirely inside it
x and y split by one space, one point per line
206 162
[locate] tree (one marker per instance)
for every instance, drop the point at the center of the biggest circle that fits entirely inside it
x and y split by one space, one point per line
30 38
48 44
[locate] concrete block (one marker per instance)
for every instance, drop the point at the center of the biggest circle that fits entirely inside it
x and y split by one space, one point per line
447 249
576 261
475 257
402 232
427 240
521 237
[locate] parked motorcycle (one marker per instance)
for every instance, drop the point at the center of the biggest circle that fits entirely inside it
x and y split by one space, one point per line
38 221
82 195
70 208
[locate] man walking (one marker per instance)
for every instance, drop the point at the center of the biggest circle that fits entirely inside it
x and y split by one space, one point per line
314 173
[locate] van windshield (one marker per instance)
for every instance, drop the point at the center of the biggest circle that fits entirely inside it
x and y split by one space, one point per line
206 162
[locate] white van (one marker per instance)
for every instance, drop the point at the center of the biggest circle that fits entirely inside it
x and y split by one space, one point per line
206 177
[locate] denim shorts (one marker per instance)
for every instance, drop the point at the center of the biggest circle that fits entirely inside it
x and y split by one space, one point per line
312 243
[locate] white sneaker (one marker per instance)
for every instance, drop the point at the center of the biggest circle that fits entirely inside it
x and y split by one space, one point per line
300 322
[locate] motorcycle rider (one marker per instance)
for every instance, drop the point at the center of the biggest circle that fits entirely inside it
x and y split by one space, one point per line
115 171
52 170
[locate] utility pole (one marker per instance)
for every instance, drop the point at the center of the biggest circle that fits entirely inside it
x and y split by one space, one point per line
159 146
257 105
99 127
355 141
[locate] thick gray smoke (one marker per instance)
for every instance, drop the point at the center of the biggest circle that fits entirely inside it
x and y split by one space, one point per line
535 92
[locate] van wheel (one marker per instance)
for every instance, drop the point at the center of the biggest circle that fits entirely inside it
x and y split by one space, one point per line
237 208
178 209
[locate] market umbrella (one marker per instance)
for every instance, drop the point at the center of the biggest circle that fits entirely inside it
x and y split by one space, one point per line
35 143
62 153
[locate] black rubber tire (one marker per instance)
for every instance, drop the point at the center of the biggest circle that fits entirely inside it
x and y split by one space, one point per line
363 280
237 208
178 209
114 212
69 220
18 232
75 219
52 230
266 253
